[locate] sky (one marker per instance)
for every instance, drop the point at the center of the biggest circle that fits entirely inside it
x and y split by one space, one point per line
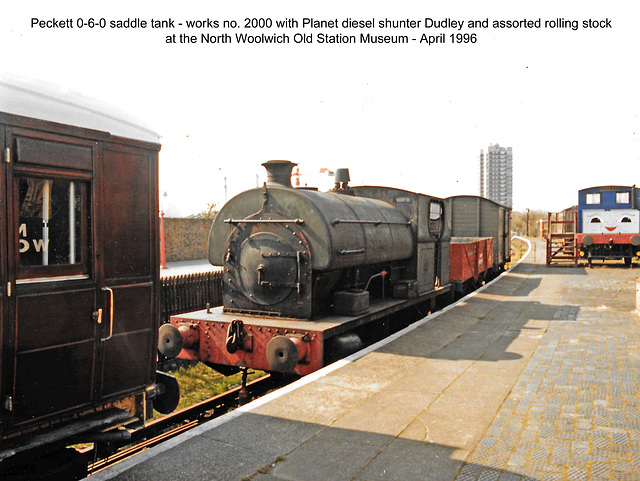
413 116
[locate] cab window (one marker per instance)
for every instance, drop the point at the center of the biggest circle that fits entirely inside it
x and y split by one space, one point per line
622 197
594 198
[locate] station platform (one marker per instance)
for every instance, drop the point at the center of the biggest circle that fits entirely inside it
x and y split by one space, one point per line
182 268
535 376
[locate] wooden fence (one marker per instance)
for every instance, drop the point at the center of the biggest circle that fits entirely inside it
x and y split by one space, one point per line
192 292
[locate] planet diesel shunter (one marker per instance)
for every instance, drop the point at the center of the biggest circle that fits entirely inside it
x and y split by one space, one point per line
309 275
609 223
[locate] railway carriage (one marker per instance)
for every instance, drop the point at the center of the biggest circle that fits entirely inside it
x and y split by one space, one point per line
609 223
78 270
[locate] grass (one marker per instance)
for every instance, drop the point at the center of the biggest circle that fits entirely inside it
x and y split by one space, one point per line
199 382
518 249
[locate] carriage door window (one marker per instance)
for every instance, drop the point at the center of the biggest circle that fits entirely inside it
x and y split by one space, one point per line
52 227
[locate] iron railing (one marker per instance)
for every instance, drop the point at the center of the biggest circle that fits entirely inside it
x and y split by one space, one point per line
191 292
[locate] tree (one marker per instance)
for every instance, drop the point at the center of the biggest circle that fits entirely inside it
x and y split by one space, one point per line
210 212
519 222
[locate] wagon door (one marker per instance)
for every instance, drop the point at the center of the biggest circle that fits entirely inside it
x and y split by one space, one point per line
129 259
50 343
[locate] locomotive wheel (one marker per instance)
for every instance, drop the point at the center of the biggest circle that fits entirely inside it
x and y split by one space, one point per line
168 401
343 345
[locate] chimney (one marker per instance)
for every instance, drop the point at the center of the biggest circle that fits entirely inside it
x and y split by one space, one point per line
342 178
279 173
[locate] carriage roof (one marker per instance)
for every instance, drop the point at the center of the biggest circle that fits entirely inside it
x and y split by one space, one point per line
52 103
600 188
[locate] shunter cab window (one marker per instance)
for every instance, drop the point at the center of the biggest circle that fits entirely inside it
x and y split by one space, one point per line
593 199
52 227
622 197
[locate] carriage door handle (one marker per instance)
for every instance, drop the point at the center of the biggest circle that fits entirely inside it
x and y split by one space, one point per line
110 314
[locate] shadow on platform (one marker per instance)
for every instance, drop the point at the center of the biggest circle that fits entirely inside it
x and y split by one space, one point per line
257 447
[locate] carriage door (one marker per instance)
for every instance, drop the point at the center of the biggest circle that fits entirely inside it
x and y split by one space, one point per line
51 333
128 259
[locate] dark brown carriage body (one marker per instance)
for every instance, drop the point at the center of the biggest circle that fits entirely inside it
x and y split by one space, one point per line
78 267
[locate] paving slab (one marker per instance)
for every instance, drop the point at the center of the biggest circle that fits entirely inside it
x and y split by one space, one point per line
197 459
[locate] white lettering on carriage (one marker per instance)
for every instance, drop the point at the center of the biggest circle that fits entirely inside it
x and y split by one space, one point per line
38 244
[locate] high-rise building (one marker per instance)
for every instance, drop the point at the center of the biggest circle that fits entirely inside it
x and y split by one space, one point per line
481 188
496 174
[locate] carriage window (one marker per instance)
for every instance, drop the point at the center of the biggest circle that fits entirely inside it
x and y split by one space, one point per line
595 220
593 198
51 227
622 197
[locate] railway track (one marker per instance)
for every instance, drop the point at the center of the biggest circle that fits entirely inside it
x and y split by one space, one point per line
167 427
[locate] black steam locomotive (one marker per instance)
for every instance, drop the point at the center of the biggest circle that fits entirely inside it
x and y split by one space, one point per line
307 274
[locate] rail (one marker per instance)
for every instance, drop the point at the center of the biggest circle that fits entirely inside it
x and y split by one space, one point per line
169 426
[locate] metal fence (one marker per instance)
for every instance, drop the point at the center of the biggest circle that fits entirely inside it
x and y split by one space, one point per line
192 292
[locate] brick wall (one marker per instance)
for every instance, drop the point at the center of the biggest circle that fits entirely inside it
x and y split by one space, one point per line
186 239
